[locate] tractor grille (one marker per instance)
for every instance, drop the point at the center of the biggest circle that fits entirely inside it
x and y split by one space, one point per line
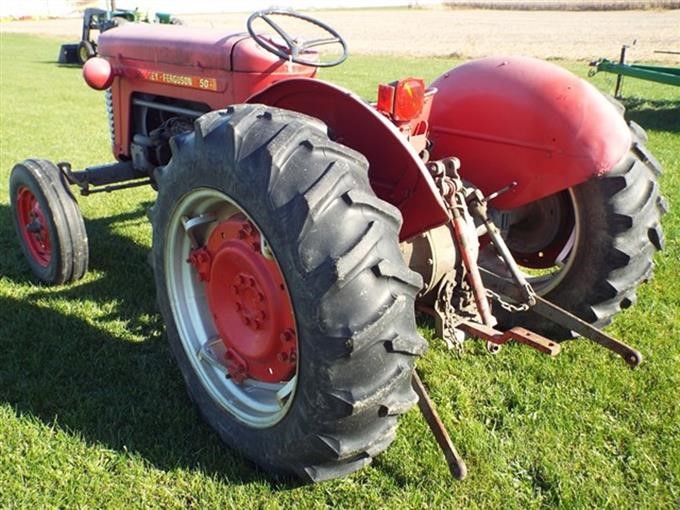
109 111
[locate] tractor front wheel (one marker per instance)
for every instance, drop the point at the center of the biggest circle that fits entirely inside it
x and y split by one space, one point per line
48 222
287 303
85 52
588 248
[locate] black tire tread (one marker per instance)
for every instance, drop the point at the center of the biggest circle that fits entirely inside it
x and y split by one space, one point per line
362 361
628 202
71 250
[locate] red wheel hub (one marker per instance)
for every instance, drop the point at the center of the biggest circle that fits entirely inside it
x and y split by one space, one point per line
539 239
33 226
250 304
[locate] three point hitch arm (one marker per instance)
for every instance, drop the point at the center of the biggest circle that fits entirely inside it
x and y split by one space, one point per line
514 292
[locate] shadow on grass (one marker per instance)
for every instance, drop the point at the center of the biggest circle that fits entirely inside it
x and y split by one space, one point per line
657 115
56 63
72 373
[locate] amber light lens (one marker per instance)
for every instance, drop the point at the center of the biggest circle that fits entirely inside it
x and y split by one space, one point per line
409 98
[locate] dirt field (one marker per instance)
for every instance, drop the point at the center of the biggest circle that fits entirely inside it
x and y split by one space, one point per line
467 33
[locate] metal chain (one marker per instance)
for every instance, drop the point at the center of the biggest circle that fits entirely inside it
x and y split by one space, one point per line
448 315
506 305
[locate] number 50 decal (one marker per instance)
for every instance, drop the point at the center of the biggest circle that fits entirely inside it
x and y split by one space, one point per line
179 80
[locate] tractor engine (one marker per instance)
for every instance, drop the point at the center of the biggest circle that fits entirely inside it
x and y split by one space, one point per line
160 79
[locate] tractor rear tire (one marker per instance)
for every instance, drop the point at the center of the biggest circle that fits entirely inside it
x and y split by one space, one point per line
351 296
615 221
48 222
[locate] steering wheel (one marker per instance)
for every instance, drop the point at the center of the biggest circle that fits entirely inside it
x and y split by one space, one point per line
294 49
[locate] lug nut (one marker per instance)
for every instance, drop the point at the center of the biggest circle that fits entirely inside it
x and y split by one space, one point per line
286 336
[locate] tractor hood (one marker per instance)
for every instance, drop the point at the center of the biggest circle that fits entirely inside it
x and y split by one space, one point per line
190 47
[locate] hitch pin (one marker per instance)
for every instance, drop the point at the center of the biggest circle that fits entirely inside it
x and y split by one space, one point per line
495 194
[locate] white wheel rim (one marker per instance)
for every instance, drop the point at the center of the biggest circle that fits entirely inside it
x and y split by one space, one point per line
257 404
543 284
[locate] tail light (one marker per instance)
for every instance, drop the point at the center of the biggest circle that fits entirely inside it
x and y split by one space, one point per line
402 100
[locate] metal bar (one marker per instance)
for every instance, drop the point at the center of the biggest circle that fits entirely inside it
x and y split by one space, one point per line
103 175
116 187
619 78
111 174
453 459
664 77
659 69
490 334
479 210
562 317
518 334
474 277
167 108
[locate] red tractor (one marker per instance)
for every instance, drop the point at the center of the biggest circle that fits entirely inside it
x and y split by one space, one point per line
298 229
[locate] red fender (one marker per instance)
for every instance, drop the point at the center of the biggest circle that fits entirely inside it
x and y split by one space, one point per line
525 120
397 174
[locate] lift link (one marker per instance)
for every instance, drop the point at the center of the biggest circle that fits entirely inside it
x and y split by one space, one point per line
445 173
518 334
520 291
477 206
559 316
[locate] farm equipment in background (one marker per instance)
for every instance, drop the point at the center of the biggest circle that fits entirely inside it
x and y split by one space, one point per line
96 21
297 228
659 74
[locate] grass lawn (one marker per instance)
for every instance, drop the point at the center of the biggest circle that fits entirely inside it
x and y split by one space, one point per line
93 412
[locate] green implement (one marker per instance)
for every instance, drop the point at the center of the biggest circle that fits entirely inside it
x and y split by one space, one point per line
659 74
667 75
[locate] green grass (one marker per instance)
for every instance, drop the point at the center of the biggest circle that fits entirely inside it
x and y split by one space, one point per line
93 412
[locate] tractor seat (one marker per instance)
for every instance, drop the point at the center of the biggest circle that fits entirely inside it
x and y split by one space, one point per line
172 44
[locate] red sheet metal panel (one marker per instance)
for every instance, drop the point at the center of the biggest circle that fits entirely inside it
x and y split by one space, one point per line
201 65
522 119
397 174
